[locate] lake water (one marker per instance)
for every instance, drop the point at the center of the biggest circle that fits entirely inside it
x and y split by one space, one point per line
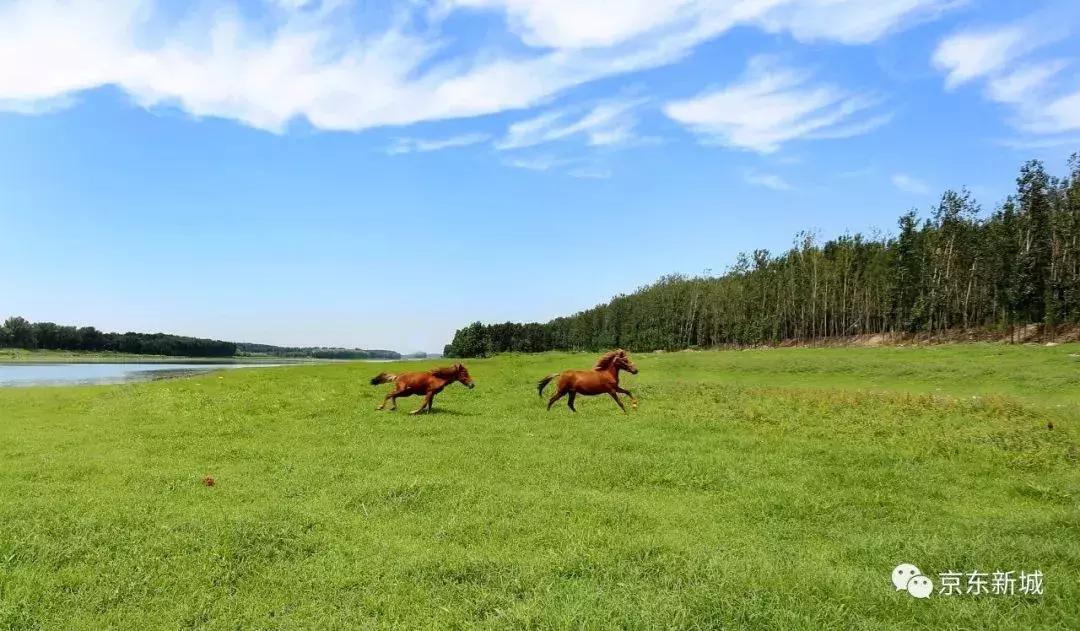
60 374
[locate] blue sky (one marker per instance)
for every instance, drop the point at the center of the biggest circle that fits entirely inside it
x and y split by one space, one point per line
378 174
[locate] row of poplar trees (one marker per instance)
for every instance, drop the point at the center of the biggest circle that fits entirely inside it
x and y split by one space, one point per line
956 269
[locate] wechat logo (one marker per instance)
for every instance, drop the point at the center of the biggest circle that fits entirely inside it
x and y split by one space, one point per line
908 578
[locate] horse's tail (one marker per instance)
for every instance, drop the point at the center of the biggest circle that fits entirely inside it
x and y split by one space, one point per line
540 385
382 377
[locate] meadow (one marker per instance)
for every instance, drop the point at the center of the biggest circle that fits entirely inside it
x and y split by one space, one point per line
758 489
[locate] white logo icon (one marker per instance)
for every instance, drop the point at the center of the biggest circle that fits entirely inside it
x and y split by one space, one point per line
908 578
904 573
920 587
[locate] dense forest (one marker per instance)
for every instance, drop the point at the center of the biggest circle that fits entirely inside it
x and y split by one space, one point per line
958 268
18 332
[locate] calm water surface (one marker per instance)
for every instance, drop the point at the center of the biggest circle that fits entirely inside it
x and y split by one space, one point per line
60 374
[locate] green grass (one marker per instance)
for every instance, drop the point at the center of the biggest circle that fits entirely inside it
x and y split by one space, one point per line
766 489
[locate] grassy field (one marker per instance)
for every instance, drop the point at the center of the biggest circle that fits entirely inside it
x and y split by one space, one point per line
765 489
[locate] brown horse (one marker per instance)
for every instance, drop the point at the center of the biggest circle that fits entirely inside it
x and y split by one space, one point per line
427 383
603 378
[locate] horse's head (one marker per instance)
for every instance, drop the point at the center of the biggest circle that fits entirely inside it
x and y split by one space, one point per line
616 360
622 362
463 376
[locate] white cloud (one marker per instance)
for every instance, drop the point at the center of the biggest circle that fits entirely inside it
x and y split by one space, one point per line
767 180
849 21
339 66
972 54
1018 85
850 130
51 50
772 105
608 123
910 184
538 163
1005 60
1057 114
412 145
575 166
596 23
588 23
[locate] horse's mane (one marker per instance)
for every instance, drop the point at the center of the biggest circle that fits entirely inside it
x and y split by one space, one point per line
446 372
605 360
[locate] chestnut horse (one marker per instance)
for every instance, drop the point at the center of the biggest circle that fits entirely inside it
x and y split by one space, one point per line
427 383
603 378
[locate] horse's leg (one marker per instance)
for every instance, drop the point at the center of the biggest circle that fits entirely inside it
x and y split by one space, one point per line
633 401
616 397
555 397
425 404
570 400
392 397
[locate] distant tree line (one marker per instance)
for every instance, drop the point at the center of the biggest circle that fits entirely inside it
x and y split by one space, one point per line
318 352
955 268
18 332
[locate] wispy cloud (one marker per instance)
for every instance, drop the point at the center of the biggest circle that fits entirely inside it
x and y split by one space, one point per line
413 145
767 180
910 184
537 163
593 23
581 167
773 105
968 55
309 59
1054 114
848 21
1014 70
608 123
1017 86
